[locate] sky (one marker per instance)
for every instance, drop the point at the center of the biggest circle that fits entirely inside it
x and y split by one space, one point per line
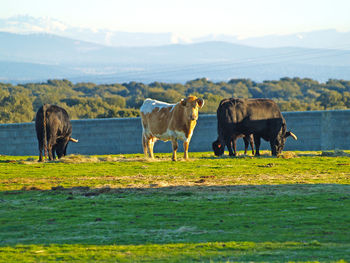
191 18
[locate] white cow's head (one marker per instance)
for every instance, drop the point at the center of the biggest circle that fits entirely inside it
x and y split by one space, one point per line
191 106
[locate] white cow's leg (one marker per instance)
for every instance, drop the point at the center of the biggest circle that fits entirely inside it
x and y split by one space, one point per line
175 146
144 144
150 146
186 150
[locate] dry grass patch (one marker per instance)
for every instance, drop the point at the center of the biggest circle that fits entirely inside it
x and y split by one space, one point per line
288 155
77 158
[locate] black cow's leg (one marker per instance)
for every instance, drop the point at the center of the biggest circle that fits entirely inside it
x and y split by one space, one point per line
251 143
257 145
273 148
234 144
50 147
41 146
246 144
53 153
229 143
49 151
65 149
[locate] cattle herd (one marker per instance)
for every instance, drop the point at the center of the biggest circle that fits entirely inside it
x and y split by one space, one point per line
250 119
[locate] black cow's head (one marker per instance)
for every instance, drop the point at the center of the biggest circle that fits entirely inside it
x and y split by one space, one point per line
281 139
61 146
218 148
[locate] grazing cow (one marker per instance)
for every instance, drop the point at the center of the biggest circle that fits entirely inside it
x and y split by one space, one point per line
163 121
53 130
260 117
218 150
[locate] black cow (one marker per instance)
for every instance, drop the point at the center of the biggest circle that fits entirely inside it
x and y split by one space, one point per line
219 149
53 130
260 117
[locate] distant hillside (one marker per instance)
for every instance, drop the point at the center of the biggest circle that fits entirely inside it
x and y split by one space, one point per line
19 103
25 72
52 56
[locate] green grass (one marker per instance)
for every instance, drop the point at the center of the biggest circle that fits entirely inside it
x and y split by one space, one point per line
128 209
203 169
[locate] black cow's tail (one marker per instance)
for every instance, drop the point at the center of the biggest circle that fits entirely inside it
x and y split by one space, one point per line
219 127
44 130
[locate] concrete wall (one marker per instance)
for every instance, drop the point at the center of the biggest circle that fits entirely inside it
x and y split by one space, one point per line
316 130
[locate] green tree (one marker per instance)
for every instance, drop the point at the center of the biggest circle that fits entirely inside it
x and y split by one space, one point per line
331 98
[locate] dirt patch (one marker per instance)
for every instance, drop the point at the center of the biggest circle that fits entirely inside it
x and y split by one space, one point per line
27 161
288 155
267 165
77 158
73 158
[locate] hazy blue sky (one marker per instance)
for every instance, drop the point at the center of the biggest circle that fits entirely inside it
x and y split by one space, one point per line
191 18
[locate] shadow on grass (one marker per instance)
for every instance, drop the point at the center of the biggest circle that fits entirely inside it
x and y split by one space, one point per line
181 220
283 189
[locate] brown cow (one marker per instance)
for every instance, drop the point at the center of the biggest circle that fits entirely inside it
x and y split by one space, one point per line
163 121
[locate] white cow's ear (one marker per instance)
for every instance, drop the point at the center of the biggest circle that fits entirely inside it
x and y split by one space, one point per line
200 102
183 102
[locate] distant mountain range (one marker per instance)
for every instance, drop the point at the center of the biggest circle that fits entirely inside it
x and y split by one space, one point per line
324 39
30 25
40 56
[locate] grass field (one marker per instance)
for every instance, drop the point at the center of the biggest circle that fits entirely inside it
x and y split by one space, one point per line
123 208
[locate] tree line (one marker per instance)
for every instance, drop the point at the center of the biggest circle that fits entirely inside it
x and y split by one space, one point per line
19 103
